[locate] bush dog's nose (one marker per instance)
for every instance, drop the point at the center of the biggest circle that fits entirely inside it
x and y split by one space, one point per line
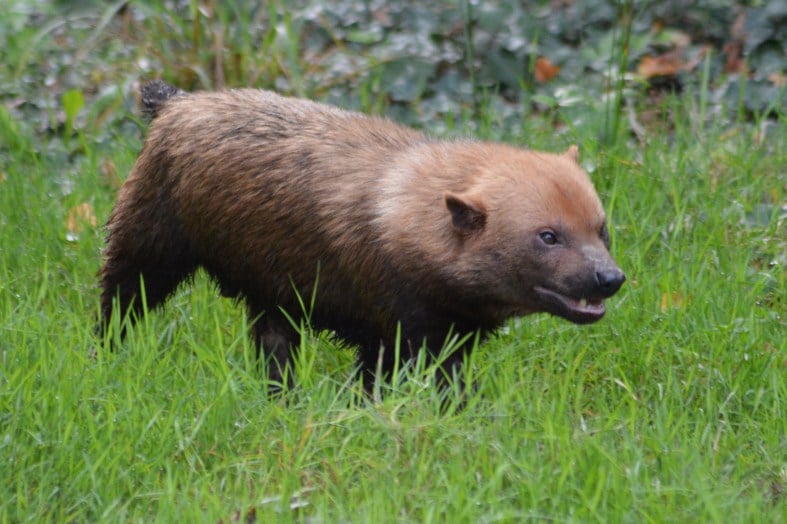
610 280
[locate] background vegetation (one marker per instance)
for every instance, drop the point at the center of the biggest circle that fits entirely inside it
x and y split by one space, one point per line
671 409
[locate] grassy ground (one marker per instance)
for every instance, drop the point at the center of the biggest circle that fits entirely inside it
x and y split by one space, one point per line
670 409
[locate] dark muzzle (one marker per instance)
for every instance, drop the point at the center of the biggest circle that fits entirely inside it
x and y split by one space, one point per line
609 281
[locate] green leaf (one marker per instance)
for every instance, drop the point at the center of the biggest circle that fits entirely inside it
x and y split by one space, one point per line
73 101
366 37
406 78
545 100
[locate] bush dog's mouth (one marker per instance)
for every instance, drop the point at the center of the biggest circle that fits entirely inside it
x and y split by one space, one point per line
576 310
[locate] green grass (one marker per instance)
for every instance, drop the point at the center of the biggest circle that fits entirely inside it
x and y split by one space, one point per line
672 409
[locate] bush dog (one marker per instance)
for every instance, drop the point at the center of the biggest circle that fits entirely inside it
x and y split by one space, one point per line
394 233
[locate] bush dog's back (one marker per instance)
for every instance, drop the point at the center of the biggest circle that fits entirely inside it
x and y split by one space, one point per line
274 195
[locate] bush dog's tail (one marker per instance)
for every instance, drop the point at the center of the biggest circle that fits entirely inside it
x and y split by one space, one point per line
155 94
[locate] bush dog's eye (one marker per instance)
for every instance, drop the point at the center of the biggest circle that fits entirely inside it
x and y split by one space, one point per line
548 238
604 234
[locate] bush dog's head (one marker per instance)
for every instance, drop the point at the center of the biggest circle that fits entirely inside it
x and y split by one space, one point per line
533 229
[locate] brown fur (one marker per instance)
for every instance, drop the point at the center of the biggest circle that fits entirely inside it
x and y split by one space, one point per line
272 194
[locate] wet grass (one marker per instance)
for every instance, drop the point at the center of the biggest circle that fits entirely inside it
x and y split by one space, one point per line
670 409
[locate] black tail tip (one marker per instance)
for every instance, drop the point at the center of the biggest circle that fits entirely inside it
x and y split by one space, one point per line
155 94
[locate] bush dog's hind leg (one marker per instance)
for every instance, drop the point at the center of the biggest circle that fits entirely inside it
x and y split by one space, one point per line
130 266
125 282
275 339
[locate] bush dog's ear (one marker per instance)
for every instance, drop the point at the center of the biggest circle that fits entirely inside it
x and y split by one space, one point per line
467 213
573 152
